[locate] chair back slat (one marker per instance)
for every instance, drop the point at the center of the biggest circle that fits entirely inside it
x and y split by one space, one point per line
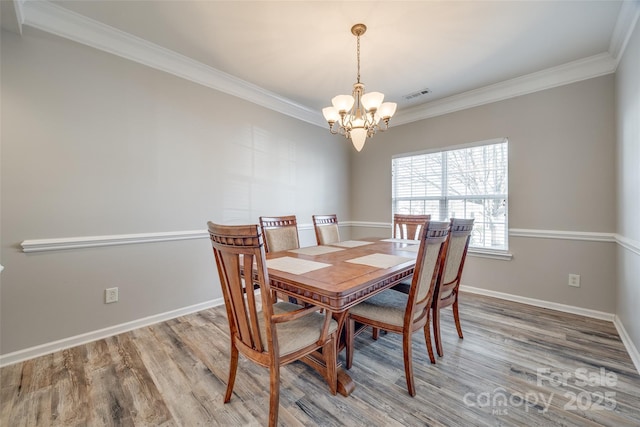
252 308
238 250
408 226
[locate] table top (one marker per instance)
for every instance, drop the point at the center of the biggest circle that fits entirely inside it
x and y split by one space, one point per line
340 275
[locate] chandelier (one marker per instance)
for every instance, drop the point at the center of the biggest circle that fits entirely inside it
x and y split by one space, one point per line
357 116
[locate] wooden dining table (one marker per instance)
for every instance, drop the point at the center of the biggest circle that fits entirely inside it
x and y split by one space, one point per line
338 276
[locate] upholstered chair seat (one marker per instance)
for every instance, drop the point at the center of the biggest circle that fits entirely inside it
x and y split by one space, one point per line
299 333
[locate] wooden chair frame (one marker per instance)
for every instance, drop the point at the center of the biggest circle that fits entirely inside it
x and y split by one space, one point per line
416 314
238 250
408 226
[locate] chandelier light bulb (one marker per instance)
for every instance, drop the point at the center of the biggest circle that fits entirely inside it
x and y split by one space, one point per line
387 110
342 102
330 114
372 100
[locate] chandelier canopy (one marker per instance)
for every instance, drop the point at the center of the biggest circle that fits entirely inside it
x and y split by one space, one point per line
357 116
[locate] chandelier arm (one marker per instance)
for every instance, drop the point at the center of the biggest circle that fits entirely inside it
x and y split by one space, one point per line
331 129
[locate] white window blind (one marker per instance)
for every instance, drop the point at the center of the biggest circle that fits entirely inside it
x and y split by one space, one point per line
467 182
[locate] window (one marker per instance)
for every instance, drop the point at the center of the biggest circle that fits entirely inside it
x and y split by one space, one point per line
469 182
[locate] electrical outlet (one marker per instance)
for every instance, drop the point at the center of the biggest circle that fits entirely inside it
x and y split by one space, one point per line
574 280
110 295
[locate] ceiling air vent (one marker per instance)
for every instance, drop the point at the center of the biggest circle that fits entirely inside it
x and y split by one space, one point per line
417 94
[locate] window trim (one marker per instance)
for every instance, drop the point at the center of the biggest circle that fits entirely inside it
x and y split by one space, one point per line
503 254
452 147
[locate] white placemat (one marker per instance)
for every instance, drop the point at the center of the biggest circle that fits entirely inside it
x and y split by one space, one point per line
295 265
316 250
380 260
410 248
352 243
410 242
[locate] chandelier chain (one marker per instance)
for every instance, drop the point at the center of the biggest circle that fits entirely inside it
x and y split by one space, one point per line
358 54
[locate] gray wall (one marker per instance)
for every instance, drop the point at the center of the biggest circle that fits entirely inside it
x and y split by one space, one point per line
561 178
628 114
95 145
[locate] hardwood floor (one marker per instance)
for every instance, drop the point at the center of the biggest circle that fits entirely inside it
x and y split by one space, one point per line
517 365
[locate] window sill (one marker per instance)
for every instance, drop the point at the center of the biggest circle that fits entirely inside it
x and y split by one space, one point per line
491 254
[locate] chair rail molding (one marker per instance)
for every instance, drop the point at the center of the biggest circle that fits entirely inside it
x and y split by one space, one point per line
629 244
564 235
43 245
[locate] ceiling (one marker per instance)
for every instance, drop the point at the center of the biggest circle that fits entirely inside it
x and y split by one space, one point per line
302 53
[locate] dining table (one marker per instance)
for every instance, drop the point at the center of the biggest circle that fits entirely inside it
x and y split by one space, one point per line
338 276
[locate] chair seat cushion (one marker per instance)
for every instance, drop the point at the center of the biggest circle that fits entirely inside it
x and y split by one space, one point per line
388 307
299 333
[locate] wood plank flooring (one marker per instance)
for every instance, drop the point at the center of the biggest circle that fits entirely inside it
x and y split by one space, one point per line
517 365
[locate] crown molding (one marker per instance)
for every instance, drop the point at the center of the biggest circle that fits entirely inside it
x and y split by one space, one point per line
62 22
582 69
627 19
12 15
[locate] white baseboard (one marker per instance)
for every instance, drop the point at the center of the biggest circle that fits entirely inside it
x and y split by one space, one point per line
595 314
624 336
628 343
43 349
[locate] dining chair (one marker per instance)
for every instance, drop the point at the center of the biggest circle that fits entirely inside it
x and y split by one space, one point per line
326 228
404 313
446 292
275 334
408 226
280 232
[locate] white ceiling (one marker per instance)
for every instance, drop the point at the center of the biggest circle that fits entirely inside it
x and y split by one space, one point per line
304 52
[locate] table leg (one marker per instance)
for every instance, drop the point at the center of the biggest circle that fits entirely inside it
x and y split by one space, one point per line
315 360
346 385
